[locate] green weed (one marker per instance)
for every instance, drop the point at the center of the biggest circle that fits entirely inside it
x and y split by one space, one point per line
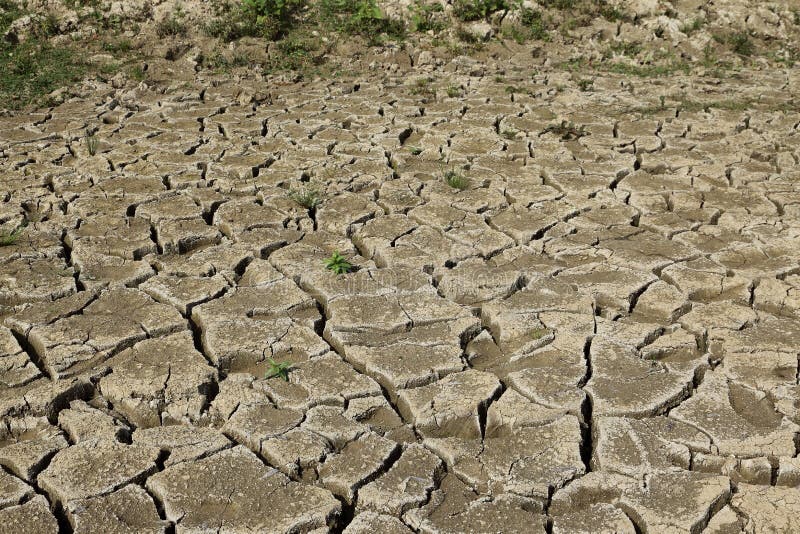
612 13
471 10
172 25
559 4
92 142
31 69
647 70
278 369
624 48
690 27
136 72
219 61
298 52
531 26
358 17
10 238
307 197
337 264
539 333
741 44
119 46
253 18
422 86
426 17
455 179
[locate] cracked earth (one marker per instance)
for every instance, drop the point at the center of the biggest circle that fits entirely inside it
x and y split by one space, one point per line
597 335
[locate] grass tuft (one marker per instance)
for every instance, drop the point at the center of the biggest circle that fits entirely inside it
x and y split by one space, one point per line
172 25
10 238
455 179
472 10
92 142
307 197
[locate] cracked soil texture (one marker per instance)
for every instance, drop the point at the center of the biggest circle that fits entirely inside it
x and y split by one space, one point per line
596 334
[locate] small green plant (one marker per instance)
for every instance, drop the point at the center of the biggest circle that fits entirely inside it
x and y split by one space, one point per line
269 19
92 142
307 197
566 130
415 150
455 179
471 10
741 44
612 14
298 52
276 9
426 17
337 263
277 369
585 85
118 46
690 27
358 17
422 86
625 48
531 26
453 91
172 25
538 333
559 4
9 238
467 37
136 72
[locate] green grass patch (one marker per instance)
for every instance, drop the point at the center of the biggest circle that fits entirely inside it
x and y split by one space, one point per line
359 17
739 43
427 17
33 68
531 26
625 48
173 25
455 179
8 238
690 27
472 10
270 19
650 70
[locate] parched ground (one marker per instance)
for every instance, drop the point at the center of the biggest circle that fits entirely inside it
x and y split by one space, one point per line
598 331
